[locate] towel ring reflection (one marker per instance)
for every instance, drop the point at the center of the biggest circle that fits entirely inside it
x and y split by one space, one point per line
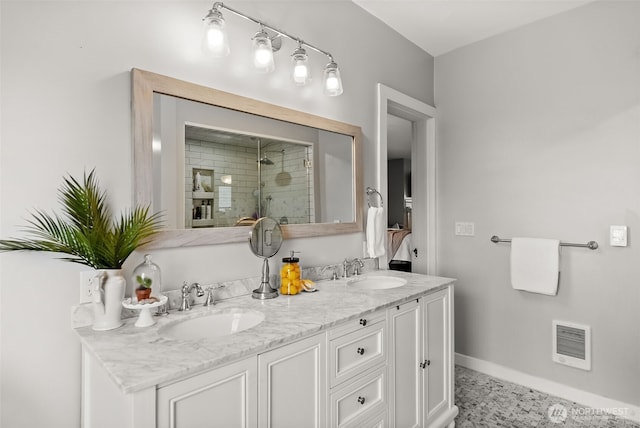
371 191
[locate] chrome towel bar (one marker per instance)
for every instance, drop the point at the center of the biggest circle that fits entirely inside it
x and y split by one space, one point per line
592 245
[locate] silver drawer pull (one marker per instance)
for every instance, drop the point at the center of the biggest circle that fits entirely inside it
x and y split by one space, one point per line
361 400
363 322
360 351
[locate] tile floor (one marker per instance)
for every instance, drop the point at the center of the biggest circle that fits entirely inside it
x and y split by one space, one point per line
484 401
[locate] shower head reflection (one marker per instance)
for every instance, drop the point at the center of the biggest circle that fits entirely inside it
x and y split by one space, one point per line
265 160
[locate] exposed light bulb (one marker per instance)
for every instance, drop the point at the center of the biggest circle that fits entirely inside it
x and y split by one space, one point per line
215 39
300 70
263 53
332 81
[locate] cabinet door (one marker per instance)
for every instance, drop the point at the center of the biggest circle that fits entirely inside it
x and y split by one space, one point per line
405 353
438 358
293 385
224 397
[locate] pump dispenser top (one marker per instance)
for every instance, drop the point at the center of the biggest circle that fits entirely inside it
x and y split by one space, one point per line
292 258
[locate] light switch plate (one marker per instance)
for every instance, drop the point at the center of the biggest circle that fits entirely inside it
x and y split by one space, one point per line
465 228
618 236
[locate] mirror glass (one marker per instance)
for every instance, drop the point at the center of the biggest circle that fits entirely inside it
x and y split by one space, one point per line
266 237
236 167
214 162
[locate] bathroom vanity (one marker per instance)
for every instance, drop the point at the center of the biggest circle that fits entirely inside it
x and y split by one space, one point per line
345 356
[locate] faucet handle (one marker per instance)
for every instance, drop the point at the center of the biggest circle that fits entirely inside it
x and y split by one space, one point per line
209 300
345 268
334 275
359 264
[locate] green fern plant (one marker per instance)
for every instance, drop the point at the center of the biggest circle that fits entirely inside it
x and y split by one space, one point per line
86 231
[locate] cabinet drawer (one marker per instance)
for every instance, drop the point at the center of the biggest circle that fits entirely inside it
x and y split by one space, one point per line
359 323
359 401
357 351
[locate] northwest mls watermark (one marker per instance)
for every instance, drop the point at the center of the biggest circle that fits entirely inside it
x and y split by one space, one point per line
558 413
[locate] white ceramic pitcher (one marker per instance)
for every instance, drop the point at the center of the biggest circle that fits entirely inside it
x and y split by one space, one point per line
108 292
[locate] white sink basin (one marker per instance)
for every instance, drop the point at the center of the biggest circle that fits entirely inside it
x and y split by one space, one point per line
376 282
213 326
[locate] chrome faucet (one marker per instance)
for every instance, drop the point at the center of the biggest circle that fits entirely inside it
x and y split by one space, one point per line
186 291
346 264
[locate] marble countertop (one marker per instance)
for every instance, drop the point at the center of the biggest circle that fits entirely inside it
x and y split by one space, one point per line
139 358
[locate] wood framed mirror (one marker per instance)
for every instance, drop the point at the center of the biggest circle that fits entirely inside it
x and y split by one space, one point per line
165 182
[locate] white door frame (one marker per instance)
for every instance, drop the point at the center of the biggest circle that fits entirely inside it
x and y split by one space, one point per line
423 164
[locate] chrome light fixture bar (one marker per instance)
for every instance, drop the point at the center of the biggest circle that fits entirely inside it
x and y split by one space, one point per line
215 42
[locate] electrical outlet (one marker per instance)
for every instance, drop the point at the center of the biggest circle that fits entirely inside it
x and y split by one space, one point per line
86 286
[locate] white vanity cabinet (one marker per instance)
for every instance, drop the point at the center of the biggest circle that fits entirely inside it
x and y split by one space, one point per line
392 367
283 387
421 361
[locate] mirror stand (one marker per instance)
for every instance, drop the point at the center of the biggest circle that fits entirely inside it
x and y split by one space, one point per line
265 241
265 291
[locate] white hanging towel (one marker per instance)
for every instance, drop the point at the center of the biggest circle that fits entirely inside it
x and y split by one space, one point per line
376 230
535 265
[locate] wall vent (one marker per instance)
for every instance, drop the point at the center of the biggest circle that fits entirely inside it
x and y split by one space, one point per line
572 344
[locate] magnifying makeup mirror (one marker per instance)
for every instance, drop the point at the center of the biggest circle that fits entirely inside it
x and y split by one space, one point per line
265 241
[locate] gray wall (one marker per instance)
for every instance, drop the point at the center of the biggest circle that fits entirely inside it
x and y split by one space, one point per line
65 106
538 136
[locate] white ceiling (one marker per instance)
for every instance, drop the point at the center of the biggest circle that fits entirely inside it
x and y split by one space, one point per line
440 26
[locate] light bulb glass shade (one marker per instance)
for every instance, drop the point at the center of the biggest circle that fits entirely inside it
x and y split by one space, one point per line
263 53
300 67
215 40
332 81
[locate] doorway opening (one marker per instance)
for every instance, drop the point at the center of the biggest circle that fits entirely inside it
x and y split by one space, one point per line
411 221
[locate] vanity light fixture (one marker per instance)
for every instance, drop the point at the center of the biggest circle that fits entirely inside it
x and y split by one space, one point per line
215 42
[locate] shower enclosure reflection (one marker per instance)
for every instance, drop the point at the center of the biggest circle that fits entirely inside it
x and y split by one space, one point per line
233 179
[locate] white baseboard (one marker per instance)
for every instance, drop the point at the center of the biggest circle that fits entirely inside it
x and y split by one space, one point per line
588 399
